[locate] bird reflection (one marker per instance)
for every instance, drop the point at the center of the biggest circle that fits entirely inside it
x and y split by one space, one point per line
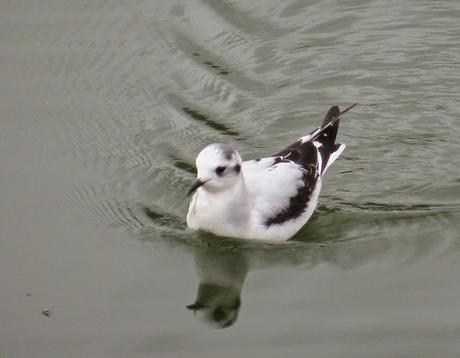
223 267
221 276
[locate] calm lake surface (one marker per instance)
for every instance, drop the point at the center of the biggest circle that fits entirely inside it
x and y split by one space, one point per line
104 106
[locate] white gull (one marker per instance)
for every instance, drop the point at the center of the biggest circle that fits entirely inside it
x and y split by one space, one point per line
267 199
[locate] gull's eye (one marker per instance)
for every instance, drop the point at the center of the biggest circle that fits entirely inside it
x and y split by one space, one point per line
220 170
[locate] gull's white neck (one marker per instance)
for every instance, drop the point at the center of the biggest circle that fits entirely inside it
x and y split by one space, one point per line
224 212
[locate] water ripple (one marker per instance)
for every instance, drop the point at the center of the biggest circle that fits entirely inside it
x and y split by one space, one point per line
146 94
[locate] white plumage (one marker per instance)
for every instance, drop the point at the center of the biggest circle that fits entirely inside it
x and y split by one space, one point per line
265 199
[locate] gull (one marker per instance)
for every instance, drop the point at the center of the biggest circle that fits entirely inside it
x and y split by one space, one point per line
270 198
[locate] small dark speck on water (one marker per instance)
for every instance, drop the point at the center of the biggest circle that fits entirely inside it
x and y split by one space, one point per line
46 313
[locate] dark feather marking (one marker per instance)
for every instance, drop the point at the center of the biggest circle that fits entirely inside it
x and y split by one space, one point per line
299 202
227 151
277 160
326 137
220 170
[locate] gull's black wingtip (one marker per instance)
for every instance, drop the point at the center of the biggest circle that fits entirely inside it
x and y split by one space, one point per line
332 114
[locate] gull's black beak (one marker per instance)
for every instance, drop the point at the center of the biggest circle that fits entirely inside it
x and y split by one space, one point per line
195 186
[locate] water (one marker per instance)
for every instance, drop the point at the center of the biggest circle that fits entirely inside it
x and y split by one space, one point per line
103 107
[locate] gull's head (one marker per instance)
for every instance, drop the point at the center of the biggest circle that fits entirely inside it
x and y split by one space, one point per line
219 168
